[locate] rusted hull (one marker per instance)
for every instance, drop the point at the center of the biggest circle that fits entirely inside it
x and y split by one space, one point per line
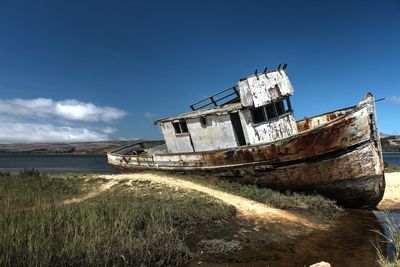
359 192
337 155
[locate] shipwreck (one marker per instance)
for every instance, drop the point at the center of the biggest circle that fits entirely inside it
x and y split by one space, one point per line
248 133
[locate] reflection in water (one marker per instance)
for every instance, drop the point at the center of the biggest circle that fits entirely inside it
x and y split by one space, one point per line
349 243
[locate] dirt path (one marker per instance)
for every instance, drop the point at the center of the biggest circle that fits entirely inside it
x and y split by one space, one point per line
245 207
391 198
101 189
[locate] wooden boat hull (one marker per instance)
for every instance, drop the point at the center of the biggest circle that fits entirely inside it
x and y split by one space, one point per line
336 154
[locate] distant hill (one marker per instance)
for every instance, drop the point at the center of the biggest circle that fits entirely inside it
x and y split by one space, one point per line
384 135
101 147
390 143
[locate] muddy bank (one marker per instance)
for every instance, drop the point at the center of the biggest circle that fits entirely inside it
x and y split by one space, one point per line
348 243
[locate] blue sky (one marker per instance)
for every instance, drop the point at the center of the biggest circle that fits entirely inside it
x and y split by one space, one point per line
65 65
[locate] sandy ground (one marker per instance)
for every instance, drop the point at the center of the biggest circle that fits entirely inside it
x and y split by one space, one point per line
101 189
391 198
245 207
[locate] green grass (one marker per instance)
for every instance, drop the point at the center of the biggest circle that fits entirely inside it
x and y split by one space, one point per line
219 246
393 237
314 203
29 188
144 225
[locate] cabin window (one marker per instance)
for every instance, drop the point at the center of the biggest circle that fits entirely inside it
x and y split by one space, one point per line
180 126
271 111
280 108
258 115
203 121
288 105
184 127
177 127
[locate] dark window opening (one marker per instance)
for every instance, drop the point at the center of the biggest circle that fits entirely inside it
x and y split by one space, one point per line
285 106
237 127
180 127
288 105
271 112
280 108
203 121
184 127
176 127
258 115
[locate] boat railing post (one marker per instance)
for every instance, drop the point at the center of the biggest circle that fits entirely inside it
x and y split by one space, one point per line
213 101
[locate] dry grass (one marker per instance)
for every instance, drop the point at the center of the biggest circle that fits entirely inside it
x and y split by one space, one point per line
392 236
147 226
219 246
392 169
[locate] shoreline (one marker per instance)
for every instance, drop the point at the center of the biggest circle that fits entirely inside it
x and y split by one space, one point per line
391 197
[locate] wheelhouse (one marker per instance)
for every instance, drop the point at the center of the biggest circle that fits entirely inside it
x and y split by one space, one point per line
256 110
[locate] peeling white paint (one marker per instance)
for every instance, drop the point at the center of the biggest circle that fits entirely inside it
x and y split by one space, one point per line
220 110
175 142
216 134
269 131
265 88
219 132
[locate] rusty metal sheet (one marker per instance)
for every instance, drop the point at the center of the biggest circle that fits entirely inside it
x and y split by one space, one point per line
310 123
335 151
340 134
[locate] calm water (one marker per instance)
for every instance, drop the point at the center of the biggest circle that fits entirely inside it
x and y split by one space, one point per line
392 158
55 163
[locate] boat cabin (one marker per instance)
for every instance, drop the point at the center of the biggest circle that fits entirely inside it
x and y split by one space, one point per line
256 110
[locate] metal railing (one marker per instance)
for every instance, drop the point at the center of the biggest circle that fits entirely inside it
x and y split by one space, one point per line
229 95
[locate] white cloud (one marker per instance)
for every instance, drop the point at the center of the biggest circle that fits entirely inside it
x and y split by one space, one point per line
149 114
70 109
36 132
395 100
109 130
46 120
